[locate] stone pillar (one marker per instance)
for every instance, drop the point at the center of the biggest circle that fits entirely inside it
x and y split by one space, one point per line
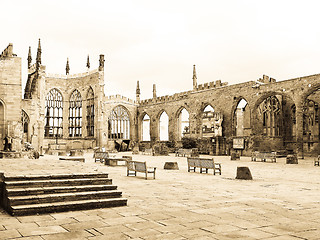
154 130
172 129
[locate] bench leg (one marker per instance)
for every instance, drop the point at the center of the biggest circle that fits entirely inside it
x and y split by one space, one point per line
146 175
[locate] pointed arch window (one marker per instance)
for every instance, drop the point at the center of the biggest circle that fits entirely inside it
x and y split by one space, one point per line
90 113
271 116
53 120
75 114
119 123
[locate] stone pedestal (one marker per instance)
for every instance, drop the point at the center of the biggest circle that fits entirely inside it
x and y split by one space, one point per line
292 159
171 166
243 173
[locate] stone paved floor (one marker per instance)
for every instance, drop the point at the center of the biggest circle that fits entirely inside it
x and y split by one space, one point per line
281 203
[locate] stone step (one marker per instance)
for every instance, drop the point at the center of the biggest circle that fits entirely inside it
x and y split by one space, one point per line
62 189
57 182
66 206
63 197
55 176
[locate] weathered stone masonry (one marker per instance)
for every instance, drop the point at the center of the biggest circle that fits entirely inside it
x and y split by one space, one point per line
274 115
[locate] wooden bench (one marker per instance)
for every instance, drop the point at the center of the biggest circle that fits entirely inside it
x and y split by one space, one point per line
317 161
264 156
134 166
100 156
148 151
203 163
183 152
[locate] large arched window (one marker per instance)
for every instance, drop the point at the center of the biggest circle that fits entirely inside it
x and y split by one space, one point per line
271 120
208 121
54 107
119 123
164 127
75 114
183 123
241 118
90 113
25 125
146 128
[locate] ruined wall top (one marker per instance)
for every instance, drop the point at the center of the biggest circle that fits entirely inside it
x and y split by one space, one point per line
77 75
8 52
118 97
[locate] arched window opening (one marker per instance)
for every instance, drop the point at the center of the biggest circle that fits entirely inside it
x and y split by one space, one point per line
270 110
311 120
241 118
164 127
146 128
119 124
90 113
208 121
183 124
25 126
75 114
54 108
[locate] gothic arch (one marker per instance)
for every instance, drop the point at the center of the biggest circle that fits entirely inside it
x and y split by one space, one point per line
145 127
90 112
119 123
163 126
75 114
240 117
25 120
53 114
182 121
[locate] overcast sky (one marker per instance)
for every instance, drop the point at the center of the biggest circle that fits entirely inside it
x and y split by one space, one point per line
159 41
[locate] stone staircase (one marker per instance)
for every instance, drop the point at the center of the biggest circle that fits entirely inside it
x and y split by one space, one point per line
34 194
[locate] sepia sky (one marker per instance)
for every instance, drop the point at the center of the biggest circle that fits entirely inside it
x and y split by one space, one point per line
159 41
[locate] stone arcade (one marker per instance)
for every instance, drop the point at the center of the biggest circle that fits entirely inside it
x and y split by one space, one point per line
64 112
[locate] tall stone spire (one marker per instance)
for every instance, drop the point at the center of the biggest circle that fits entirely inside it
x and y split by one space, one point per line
88 62
194 77
67 67
138 92
38 60
101 62
29 58
154 91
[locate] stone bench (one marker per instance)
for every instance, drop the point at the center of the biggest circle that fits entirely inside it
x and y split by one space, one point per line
264 156
203 163
134 166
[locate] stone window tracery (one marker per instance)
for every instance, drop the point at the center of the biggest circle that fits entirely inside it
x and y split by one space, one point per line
271 120
54 108
90 113
119 123
75 114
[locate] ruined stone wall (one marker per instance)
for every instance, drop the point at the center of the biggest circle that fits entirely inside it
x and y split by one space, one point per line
224 99
10 98
66 84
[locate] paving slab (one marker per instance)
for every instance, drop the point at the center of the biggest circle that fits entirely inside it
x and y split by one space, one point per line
281 202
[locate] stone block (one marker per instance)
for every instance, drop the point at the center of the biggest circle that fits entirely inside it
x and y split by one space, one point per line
171 166
243 173
292 159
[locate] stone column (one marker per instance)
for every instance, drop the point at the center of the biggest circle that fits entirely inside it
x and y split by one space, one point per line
172 129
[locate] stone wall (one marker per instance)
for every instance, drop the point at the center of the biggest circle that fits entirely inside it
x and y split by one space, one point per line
10 98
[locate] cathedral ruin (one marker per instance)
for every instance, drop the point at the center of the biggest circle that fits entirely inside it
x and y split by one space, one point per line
64 112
